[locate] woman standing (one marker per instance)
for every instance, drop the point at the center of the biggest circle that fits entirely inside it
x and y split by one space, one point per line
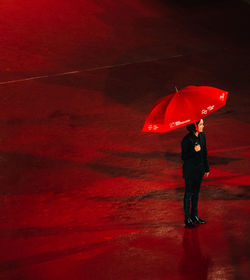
194 155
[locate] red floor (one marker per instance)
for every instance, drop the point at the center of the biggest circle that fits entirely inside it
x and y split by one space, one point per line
83 193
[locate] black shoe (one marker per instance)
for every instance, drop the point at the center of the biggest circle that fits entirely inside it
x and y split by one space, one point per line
189 223
198 220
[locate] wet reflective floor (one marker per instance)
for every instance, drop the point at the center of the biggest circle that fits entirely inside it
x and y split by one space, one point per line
83 193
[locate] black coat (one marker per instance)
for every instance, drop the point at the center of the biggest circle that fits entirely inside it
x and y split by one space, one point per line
194 161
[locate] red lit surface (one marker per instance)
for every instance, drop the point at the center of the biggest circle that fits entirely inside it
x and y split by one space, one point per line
83 193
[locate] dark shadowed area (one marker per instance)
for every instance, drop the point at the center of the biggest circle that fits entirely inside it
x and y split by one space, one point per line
84 194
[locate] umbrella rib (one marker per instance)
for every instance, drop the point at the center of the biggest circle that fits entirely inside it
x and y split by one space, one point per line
170 101
189 104
158 102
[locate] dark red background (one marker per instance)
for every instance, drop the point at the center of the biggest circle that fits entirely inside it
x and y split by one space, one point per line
83 193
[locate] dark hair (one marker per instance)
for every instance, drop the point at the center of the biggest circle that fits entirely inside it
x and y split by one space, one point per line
191 127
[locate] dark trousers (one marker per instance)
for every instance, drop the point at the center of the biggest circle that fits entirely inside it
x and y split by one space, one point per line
191 196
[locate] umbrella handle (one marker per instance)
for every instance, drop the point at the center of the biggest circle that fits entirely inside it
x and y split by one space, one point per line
196 127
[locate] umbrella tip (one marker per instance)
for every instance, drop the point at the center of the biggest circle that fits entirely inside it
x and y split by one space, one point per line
175 88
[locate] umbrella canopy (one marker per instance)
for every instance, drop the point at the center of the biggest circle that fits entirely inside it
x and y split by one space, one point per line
185 106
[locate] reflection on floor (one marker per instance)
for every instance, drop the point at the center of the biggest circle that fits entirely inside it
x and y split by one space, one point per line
83 193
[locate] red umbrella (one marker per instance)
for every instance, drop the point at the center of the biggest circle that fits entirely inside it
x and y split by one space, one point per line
185 106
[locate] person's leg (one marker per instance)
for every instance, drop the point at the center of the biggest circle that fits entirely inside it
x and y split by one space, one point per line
194 200
187 200
196 189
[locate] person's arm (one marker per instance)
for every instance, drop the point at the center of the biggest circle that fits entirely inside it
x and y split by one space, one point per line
187 149
205 155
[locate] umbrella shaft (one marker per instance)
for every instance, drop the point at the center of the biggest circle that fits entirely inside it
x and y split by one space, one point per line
196 127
